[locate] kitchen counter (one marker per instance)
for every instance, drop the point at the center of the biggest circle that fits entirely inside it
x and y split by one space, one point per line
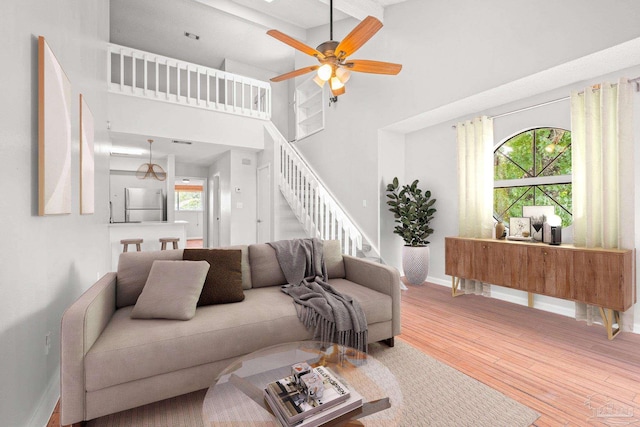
149 231
146 223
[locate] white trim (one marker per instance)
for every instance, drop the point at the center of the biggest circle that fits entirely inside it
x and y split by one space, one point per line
47 403
527 182
520 298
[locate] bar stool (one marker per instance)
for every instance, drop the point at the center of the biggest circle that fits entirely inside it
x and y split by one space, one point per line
165 240
127 242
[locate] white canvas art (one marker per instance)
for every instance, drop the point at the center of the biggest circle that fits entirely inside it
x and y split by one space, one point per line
538 215
54 134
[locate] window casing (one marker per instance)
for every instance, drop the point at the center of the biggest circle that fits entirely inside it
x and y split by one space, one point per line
188 197
533 168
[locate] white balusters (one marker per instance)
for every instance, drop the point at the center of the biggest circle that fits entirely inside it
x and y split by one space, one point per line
316 209
231 93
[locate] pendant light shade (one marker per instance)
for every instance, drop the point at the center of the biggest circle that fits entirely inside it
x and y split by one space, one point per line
151 170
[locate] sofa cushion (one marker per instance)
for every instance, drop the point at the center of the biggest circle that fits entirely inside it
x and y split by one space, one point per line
333 259
265 269
129 349
376 305
172 290
133 270
246 268
224 279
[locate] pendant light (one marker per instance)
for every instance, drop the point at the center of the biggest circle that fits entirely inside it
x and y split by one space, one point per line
151 170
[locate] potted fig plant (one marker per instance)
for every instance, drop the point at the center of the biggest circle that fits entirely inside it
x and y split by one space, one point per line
413 210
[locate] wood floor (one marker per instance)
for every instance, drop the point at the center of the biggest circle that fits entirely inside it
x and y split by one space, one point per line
567 371
194 243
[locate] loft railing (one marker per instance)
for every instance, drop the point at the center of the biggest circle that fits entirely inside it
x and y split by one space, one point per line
316 209
147 75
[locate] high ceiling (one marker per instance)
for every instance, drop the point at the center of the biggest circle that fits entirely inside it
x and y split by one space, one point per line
233 29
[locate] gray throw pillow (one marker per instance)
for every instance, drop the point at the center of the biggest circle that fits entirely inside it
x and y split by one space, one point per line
171 291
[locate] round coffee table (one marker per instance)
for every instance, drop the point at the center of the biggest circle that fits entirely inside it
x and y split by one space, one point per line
237 396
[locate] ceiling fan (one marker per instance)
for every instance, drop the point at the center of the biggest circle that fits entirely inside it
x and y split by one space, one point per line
334 66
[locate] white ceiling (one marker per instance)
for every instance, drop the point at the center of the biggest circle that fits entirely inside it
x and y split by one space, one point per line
233 29
197 153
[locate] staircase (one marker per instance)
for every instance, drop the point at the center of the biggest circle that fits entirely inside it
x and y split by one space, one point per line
313 204
143 74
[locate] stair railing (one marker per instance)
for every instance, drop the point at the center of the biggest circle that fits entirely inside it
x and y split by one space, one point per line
147 75
317 210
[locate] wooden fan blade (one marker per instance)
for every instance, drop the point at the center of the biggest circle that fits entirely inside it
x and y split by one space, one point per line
358 36
374 67
295 73
295 43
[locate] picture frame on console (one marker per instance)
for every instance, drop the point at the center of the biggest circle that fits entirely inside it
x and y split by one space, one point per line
519 227
538 216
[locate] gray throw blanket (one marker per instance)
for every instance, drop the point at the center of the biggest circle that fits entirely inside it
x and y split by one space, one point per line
335 317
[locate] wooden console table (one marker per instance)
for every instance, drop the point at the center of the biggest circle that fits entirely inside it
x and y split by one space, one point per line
600 277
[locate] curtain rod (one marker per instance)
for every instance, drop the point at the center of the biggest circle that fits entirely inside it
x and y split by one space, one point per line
542 104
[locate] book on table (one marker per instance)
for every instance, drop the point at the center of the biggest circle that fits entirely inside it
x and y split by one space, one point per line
310 396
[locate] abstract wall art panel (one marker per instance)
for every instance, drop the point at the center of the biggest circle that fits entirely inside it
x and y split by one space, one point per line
54 134
86 159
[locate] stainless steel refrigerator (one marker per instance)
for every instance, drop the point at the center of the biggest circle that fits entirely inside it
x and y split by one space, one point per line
143 204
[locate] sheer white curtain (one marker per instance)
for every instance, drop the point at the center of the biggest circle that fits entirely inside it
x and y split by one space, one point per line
475 186
603 174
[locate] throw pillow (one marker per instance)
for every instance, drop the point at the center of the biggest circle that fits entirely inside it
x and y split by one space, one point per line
246 268
333 259
133 271
224 279
171 291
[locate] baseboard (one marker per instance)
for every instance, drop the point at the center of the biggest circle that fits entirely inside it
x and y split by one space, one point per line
47 402
523 300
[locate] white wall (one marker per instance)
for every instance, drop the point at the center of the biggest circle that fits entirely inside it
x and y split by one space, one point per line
238 208
222 167
431 157
189 170
243 202
449 50
195 220
391 149
139 116
46 262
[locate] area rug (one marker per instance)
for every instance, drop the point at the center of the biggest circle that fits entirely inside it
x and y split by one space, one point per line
434 395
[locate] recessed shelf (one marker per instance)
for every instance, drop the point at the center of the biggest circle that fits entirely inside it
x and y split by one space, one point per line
309 109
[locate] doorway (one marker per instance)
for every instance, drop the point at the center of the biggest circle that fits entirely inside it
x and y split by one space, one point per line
214 211
190 207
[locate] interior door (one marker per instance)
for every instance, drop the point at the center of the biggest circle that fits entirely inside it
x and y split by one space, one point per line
263 226
214 211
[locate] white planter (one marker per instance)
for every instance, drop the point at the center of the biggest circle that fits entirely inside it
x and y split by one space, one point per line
415 263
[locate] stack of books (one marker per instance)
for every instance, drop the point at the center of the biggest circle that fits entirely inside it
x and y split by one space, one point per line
310 397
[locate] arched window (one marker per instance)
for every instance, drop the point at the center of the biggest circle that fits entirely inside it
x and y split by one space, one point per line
533 168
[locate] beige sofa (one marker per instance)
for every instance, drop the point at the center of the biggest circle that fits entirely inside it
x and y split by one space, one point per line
110 362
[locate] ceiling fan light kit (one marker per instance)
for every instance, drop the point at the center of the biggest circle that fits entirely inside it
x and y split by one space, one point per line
332 55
